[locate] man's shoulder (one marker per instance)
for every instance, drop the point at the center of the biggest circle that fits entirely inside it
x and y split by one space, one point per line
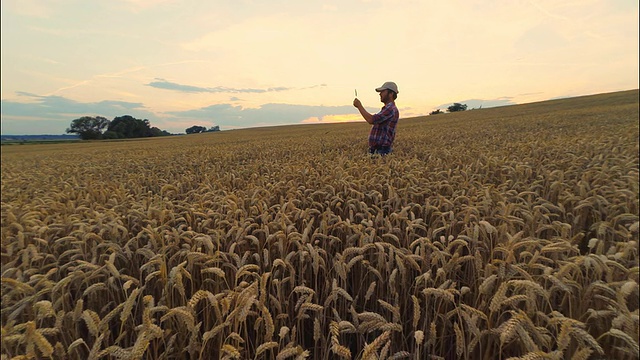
391 106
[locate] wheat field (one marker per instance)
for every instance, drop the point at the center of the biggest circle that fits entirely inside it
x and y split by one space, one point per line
503 233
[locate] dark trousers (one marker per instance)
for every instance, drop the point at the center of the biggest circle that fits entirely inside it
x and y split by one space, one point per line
380 150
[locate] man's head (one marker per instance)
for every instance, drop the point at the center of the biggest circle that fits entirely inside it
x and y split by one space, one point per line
388 92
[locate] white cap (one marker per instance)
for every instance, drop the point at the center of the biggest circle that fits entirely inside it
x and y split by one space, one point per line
389 85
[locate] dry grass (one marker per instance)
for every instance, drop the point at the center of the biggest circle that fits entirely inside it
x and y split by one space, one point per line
498 233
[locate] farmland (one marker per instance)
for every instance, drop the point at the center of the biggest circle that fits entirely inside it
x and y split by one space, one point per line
488 234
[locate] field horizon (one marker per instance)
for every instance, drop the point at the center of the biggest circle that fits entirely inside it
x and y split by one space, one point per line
497 233
550 102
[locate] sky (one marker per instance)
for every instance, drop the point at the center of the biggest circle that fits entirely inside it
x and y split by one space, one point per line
247 63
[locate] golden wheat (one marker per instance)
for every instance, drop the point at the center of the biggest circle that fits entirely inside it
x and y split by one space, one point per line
509 232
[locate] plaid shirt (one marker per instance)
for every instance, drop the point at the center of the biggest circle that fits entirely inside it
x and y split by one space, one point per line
384 126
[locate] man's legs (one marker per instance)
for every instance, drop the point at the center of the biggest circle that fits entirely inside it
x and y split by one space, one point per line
380 150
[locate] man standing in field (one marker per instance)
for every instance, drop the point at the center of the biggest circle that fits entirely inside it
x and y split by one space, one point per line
384 123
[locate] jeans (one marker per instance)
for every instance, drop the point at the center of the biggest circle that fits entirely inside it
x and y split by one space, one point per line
380 150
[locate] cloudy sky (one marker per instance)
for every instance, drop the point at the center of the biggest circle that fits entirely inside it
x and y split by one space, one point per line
244 63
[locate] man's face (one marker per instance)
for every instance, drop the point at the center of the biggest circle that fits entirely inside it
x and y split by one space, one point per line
386 96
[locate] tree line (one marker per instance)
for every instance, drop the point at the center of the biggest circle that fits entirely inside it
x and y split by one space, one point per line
196 129
453 108
122 127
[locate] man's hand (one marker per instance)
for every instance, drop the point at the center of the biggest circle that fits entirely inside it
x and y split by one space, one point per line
365 114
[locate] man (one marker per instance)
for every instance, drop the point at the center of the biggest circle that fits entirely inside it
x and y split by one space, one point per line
384 123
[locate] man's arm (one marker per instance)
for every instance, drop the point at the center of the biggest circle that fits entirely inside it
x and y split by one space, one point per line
365 114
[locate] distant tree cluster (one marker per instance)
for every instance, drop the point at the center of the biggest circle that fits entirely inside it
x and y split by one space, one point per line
453 108
196 129
457 107
121 127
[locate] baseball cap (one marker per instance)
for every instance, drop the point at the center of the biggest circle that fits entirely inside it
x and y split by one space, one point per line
389 85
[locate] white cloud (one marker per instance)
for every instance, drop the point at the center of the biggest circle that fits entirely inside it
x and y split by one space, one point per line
29 8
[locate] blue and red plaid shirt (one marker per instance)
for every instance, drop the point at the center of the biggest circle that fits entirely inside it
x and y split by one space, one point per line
384 126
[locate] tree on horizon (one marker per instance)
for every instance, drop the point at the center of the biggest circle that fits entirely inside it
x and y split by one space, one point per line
457 107
88 128
121 127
